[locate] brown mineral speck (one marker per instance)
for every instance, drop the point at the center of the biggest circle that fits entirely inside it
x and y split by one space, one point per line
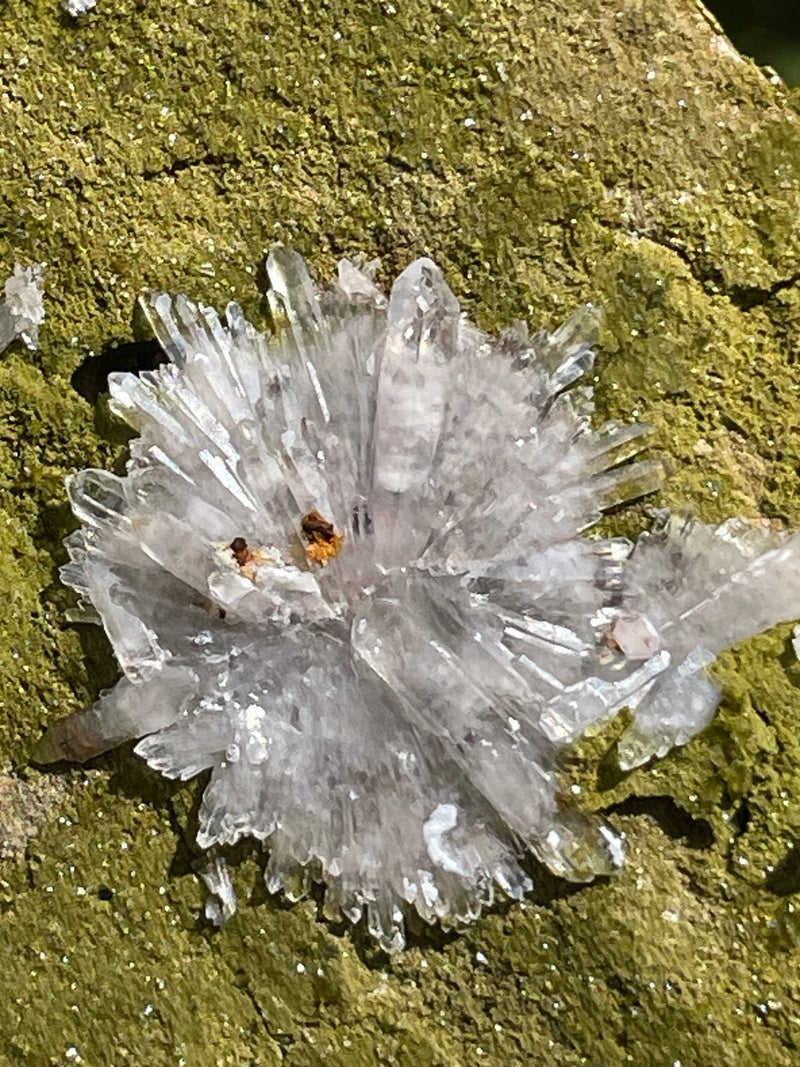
324 543
241 551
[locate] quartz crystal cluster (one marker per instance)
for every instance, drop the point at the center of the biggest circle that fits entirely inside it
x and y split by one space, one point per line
345 575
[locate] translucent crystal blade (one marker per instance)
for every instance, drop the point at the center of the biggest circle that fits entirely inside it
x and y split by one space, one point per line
413 384
121 714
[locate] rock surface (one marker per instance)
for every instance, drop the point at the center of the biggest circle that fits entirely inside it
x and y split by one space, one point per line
543 155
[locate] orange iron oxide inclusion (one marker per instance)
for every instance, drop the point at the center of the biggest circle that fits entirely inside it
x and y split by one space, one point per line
324 543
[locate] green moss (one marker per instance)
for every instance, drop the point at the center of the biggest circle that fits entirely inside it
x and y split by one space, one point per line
45 432
621 156
113 950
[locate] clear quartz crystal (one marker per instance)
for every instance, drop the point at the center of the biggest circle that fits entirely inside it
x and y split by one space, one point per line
345 575
222 902
76 8
22 310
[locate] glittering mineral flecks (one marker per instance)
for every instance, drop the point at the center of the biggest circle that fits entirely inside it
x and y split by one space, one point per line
344 573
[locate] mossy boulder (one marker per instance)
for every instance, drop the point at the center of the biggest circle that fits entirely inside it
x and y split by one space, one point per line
544 154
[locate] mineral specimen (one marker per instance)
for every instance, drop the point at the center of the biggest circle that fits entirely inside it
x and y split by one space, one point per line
22 311
345 575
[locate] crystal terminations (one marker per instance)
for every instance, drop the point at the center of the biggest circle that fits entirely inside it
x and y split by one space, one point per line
344 572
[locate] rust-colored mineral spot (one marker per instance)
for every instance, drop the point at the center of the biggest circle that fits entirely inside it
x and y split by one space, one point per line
241 551
249 559
324 543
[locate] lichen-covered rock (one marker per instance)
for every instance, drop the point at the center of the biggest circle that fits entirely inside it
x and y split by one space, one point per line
620 153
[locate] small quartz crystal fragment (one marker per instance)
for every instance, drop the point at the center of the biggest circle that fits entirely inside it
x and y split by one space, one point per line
222 902
76 8
22 310
346 574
